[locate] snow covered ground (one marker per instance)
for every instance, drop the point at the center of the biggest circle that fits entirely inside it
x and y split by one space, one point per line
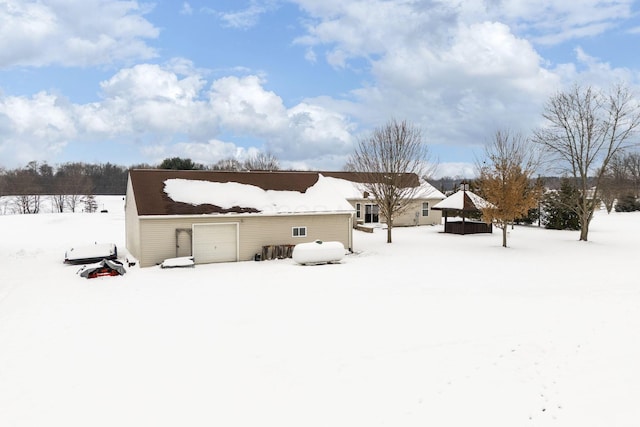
432 330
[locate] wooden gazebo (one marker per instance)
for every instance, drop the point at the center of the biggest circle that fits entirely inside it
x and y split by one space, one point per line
461 205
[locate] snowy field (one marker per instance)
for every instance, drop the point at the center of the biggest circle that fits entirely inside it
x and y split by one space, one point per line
432 330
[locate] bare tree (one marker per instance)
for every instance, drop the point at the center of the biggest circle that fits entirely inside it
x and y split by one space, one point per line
59 202
632 170
90 203
608 191
24 184
389 164
229 164
3 181
72 183
585 129
262 162
615 182
505 180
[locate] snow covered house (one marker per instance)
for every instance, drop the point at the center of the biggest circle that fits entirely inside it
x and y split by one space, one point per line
419 211
217 216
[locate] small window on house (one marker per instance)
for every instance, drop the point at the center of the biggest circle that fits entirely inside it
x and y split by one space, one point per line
358 210
299 231
425 209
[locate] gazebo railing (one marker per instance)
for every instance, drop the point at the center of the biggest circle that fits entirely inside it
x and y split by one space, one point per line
467 227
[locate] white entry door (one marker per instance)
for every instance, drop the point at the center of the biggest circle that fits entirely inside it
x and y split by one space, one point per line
215 243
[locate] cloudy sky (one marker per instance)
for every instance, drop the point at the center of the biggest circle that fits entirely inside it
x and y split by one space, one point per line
132 82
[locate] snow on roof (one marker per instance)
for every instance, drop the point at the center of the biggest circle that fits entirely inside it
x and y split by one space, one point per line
345 188
457 201
428 191
321 197
354 190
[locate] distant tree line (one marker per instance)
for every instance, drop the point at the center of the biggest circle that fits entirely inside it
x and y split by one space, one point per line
259 161
449 185
67 178
621 183
72 186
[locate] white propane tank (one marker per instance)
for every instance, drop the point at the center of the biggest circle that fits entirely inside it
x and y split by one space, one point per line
318 252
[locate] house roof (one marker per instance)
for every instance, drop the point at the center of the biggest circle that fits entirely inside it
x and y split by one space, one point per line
176 192
428 191
182 192
350 184
463 201
408 179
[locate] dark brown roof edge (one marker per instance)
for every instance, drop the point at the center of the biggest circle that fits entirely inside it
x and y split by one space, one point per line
148 186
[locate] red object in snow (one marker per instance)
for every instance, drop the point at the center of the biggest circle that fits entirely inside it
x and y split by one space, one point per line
102 272
104 268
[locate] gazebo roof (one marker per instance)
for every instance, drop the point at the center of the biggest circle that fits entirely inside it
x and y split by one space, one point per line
462 200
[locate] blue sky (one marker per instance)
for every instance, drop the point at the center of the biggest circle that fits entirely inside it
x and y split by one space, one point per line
129 82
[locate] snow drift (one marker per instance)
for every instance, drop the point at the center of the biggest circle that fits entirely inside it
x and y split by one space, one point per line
432 330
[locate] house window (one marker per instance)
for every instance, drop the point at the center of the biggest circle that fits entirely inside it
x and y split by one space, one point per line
358 210
299 231
425 208
371 213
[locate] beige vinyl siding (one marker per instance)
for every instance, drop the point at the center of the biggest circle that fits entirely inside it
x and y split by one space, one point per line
434 217
158 238
413 214
277 230
410 217
158 235
363 202
132 223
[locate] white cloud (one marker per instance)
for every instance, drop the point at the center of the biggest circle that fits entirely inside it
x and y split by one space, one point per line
445 66
366 28
243 18
489 48
455 170
561 20
460 70
208 152
315 129
186 9
170 114
34 127
68 33
150 81
590 70
246 107
481 79
149 98
304 131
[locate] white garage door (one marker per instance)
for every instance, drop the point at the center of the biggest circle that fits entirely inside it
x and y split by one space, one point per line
215 243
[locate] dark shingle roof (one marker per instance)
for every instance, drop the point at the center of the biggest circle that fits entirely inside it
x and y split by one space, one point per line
148 187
